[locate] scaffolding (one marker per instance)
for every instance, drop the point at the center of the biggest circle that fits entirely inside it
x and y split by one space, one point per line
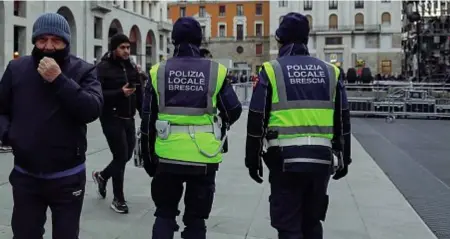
426 40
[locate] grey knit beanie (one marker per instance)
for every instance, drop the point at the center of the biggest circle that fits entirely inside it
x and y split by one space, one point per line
51 24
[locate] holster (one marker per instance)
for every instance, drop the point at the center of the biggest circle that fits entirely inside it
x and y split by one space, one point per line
162 129
337 162
217 128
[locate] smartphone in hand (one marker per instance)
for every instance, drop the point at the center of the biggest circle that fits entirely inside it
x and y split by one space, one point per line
131 85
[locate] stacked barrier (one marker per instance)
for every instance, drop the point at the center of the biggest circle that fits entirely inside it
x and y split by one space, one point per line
390 100
399 101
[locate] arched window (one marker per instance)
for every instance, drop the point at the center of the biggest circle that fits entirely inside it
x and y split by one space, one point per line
359 21
386 18
310 20
333 21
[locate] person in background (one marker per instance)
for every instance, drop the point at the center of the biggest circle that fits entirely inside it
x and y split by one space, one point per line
205 53
44 119
123 96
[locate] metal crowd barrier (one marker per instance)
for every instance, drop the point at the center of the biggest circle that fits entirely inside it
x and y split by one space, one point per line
390 101
244 92
414 101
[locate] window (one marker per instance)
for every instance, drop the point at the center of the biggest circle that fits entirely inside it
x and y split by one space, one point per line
19 8
310 21
386 18
259 49
203 31
240 10
98 23
135 5
282 3
221 10
307 5
239 32
97 53
143 7
359 4
150 11
161 42
333 41
359 21
259 9
182 11
258 29
201 12
333 21
386 67
333 4
222 31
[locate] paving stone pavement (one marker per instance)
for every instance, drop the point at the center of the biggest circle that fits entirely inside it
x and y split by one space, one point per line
364 205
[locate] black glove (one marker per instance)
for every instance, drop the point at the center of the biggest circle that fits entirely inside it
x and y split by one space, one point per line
256 174
255 168
341 173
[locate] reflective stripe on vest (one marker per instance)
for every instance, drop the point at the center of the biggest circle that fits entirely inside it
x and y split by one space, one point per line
186 152
210 107
281 104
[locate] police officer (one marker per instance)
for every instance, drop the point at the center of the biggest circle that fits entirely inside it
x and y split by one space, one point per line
299 110
181 139
341 71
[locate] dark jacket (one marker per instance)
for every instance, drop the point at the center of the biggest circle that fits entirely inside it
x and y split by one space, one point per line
366 75
227 102
258 119
114 74
45 123
352 77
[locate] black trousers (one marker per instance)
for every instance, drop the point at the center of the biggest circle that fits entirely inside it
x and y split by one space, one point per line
298 204
121 137
167 190
32 196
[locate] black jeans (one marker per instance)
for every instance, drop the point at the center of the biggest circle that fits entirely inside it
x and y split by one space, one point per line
298 204
121 137
32 196
167 190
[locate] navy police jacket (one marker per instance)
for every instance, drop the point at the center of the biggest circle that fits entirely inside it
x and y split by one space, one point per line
45 123
258 117
227 103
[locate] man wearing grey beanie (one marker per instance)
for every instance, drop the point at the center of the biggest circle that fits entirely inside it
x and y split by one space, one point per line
46 101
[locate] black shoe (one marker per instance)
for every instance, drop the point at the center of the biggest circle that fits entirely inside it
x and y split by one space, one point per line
119 207
101 183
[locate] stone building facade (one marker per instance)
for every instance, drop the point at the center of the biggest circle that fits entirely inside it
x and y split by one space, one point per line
92 23
235 30
348 31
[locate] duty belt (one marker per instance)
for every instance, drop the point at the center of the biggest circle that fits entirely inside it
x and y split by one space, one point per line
189 129
300 141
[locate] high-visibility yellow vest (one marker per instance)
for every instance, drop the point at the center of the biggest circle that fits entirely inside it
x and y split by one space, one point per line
300 118
180 146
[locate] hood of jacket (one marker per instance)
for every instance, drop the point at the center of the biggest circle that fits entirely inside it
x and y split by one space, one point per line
293 49
186 50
